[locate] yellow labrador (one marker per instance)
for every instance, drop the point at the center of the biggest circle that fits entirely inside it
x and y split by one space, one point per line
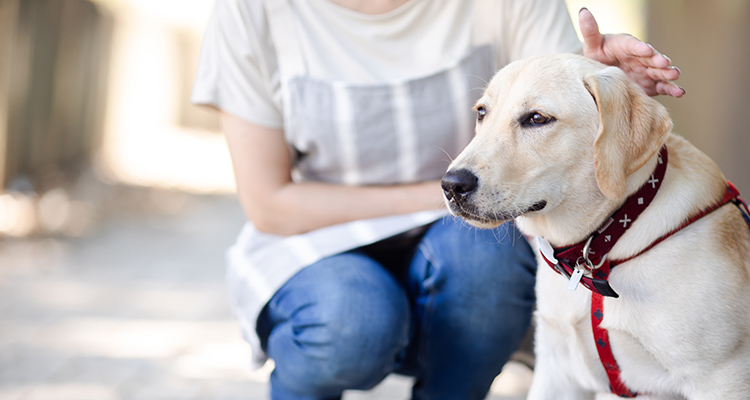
580 157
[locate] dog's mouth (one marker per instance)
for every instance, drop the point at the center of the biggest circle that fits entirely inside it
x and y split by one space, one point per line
538 206
471 213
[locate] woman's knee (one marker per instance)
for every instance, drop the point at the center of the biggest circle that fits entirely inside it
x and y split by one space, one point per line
338 326
476 258
482 280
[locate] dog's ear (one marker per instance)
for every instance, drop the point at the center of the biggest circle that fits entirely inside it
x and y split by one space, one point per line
632 128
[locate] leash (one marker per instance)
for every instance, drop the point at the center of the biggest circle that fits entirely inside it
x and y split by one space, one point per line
587 263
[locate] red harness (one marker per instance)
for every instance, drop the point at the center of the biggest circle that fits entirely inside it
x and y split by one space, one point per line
587 262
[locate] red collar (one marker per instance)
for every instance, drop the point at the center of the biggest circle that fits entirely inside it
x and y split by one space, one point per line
577 262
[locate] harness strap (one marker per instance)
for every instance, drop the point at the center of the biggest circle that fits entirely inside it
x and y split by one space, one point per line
740 203
603 347
731 195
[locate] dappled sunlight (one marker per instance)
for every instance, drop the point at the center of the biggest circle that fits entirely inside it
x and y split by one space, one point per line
168 158
17 214
150 137
52 212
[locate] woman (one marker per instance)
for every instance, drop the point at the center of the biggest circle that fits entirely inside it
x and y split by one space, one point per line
341 116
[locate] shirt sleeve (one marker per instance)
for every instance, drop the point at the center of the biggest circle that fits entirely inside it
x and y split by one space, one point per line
534 27
237 69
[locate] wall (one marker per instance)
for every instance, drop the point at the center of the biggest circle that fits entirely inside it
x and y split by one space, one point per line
51 87
710 43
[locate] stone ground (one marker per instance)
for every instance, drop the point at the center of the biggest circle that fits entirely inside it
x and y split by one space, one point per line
136 309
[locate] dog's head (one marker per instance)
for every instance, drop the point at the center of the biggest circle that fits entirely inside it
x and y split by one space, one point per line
553 133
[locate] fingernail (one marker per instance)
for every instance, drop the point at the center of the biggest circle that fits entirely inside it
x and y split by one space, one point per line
675 68
581 10
667 57
683 90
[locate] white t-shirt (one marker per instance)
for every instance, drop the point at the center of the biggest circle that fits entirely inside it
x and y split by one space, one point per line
238 70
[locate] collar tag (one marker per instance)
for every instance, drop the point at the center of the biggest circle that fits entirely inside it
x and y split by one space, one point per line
575 279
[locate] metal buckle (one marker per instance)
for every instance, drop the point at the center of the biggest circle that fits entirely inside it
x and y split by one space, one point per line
587 266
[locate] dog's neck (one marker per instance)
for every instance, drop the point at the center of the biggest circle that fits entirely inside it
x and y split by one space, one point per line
582 213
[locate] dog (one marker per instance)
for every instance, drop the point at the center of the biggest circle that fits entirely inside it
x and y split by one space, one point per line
563 144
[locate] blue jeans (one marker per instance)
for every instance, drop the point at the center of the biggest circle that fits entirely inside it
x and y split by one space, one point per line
447 306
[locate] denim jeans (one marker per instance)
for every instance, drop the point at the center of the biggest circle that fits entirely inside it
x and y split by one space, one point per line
447 306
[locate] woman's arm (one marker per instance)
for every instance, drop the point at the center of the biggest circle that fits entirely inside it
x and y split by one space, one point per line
275 204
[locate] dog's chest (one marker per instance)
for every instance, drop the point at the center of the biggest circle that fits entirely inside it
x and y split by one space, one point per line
556 303
564 324
564 336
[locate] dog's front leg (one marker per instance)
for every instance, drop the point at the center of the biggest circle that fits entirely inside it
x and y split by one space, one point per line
554 371
555 385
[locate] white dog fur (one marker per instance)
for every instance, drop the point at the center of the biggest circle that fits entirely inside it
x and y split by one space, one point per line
681 326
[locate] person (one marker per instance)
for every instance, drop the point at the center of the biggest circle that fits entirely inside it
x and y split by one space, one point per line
341 116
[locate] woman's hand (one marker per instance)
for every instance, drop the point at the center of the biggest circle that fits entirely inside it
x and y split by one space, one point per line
641 62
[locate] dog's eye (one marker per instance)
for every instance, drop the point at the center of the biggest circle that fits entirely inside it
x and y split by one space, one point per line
481 112
536 119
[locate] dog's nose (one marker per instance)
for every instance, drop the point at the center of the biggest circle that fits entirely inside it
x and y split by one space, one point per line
459 183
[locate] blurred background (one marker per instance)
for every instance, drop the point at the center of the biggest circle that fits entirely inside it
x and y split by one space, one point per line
116 194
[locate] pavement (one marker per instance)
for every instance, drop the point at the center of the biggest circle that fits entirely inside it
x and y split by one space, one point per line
136 309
